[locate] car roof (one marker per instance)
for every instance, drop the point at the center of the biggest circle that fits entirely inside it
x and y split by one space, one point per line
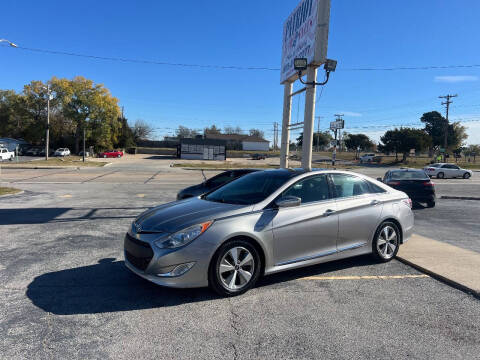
407 169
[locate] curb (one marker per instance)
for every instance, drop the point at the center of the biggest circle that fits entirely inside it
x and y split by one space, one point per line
441 278
459 197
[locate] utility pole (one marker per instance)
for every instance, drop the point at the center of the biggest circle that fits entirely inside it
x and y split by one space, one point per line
447 105
334 155
275 135
47 135
317 148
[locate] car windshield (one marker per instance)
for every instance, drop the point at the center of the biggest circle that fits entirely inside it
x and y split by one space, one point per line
250 189
409 175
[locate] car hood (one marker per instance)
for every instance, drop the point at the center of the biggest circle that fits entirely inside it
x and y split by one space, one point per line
179 215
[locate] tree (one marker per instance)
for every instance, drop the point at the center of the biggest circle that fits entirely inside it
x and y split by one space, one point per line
11 121
358 142
212 130
141 130
321 139
90 107
472 150
403 140
257 133
232 131
185 132
435 125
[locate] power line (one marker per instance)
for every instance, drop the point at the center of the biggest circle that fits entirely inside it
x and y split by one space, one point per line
234 67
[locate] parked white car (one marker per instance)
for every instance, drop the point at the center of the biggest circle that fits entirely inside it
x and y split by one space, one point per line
5 154
367 158
62 152
444 170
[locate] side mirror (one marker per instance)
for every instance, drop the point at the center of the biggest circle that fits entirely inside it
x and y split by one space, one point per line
288 201
380 179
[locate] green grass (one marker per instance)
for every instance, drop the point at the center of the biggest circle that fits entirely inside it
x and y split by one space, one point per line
8 191
55 161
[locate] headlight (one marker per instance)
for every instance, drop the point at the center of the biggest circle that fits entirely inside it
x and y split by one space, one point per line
183 237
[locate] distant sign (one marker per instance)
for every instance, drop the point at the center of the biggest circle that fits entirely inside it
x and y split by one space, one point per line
333 143
305 35
338 124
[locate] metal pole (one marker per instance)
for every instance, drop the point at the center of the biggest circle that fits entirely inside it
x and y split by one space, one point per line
84 144
318 133
287 113
334 155
308 122
47 136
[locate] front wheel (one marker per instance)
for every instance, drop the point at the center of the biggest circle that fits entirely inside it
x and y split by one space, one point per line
466 176
119 156
431 204
235 268
386 242
104 156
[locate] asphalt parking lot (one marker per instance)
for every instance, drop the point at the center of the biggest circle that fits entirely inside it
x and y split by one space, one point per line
65 292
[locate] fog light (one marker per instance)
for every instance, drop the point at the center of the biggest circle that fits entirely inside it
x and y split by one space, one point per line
178 270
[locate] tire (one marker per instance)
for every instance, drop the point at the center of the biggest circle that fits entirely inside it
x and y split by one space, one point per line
440 175
466 176
232 281
104 156
431 204
391 244
119 156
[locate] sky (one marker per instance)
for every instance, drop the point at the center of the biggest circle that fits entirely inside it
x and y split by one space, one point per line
248 33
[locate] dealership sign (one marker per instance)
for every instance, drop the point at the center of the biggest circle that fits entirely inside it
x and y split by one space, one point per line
337 125
305 35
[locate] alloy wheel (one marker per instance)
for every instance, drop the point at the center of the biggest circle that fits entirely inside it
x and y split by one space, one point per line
236 268
387 242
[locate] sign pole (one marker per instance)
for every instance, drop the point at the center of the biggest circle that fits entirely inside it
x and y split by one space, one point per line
287 113
308 120
334 155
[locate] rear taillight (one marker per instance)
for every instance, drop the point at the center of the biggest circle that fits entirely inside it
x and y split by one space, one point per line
430 169
428 183
408 202
393 183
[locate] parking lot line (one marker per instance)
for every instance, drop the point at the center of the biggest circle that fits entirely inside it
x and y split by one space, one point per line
365 277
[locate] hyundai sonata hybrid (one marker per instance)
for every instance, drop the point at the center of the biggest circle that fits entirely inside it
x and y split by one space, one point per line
266 222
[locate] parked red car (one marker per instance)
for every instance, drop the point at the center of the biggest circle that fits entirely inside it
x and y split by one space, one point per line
111 154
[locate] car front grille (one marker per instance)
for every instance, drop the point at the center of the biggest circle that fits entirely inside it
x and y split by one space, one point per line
137 252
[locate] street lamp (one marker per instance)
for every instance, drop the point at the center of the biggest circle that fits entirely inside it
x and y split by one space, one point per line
8 42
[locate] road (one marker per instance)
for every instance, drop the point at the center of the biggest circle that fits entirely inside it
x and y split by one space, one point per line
65 292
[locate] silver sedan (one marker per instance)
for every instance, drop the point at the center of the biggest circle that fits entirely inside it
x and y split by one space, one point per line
266 222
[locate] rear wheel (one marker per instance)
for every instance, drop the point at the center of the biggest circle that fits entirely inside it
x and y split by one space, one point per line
118 156
466 176
104 156
440 175
386 242
235 268
431 204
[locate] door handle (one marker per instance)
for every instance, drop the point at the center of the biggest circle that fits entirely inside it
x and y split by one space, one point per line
328 212
374 202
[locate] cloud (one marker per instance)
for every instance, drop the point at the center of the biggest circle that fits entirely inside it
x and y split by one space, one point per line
350 113
455 78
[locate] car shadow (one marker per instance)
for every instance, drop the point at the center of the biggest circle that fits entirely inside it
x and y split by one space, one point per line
162 157
109 286
23 216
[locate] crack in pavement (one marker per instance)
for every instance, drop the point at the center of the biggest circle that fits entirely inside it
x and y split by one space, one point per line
234 326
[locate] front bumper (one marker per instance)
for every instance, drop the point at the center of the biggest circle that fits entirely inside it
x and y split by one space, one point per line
165 260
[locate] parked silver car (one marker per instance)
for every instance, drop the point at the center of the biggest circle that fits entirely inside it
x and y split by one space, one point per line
266 222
